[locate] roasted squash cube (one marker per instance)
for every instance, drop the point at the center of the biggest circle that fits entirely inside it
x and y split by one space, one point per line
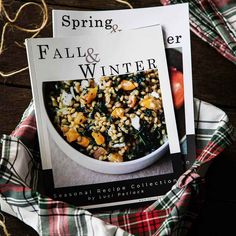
98 137
71 135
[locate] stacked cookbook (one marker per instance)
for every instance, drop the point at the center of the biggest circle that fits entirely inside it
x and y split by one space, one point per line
114 104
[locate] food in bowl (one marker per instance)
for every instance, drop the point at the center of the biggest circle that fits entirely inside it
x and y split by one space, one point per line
118 119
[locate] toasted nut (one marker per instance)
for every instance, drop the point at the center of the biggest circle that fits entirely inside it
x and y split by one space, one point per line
54 101
132 115
102 158
84 142
71 135
99 152
127 122
103 129
72 111
77 98
77 87
89 147
115 157
69 118
64 121
118 112
127 85
80 118
98 137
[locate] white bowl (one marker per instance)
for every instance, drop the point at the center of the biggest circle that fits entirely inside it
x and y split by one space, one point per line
103 166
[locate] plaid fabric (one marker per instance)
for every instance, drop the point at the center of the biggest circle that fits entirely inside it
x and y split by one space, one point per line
214 22
171 214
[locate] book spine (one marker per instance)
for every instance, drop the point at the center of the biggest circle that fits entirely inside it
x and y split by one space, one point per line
41 128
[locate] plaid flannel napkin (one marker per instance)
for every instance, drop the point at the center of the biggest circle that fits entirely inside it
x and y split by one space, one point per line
214 21
172 214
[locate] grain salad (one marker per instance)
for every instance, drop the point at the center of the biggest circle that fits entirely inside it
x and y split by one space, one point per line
118 119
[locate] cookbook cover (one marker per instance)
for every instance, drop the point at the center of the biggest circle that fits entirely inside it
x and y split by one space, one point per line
105 117
175 24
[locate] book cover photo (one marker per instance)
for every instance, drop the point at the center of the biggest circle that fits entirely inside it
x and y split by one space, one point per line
175 25
105 117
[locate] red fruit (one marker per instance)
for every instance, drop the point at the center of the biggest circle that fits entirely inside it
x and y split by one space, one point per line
177 86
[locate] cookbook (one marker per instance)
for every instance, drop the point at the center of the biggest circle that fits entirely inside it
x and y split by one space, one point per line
175 24
105 117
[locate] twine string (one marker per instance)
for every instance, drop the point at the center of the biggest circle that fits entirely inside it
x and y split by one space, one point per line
125 3
12 22
2 224
11 73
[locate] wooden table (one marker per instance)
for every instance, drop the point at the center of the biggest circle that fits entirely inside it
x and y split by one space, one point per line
214 81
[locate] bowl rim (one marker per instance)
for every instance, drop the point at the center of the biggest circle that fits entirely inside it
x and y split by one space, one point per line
66 146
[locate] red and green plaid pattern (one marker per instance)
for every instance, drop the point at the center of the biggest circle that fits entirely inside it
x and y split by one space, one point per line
214 22
171 214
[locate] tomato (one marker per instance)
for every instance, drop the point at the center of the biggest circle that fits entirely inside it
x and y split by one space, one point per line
177 86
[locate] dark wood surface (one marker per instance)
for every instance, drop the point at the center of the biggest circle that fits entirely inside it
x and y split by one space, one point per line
213 80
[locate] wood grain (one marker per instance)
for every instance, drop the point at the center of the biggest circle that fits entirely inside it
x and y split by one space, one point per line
213 75
16 227
19 60
213 80
102 5
13 103
14 57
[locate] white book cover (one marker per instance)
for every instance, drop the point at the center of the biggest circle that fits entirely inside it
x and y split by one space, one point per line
105 117
175 24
